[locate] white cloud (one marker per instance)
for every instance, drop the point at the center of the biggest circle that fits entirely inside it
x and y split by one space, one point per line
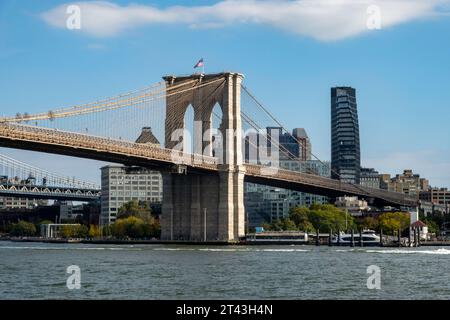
325 20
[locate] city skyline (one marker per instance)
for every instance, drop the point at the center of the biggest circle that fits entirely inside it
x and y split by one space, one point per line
49 66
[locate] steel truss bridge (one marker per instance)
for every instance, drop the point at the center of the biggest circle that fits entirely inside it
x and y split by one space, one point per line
21 180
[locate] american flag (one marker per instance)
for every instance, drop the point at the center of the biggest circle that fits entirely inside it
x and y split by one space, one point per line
199 63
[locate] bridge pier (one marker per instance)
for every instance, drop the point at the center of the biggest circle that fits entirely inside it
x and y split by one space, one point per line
191 200
208 205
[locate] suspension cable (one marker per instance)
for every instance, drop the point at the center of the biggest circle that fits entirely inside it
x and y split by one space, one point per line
295 138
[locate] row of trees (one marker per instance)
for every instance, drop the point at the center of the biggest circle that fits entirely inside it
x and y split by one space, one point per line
134 220
74 231
327 217
317 217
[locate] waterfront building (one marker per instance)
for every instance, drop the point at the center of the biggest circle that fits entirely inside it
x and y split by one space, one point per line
385 182
437 196
345 145
121 184
352 205
69 211
428 208
407 183
9 203
370 178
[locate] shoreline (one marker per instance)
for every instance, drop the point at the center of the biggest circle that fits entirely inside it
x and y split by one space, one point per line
208 243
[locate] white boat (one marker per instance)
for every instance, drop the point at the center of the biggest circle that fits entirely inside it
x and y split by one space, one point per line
277 237
369 238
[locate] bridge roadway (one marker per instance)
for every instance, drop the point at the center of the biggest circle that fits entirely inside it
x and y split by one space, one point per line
129 153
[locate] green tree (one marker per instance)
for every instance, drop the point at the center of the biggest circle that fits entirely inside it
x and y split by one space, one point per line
369 223
81 231
94 231
435 222
23 228
327 217
106 230
284 224
134 227
289 225
299 215
432 225
66 232
74 231
118 228
391 222
136 209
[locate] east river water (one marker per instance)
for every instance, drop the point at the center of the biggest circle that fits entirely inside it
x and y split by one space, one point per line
38 271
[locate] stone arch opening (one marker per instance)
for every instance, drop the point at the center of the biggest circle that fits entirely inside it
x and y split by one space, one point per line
216 136
188 130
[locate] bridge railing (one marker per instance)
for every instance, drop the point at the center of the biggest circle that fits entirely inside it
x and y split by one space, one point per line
65 138
318 181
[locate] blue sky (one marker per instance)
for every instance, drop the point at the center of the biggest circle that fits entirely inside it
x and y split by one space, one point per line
401 72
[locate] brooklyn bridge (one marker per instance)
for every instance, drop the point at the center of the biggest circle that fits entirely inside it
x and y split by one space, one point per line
203 168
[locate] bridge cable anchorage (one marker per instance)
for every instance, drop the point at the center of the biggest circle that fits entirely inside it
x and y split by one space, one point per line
267 112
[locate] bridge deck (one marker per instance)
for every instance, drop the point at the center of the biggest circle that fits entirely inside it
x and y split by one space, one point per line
147 155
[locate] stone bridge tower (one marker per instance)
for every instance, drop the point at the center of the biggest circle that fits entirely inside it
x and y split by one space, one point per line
205 205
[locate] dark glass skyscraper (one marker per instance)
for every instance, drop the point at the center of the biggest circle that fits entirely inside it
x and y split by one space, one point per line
345 151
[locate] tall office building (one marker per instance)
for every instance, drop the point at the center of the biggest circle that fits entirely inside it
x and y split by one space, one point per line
291 146
345 150
304 143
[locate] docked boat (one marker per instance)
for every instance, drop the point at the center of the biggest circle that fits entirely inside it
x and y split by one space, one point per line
368 238
277 237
